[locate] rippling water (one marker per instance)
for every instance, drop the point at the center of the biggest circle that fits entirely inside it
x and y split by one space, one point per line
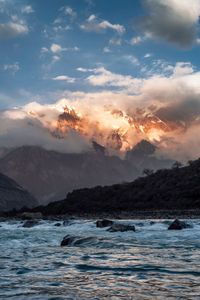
151 263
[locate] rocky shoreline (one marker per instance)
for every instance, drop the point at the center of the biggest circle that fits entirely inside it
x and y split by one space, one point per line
135 215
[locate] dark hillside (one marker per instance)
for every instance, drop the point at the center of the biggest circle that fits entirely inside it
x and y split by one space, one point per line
177 188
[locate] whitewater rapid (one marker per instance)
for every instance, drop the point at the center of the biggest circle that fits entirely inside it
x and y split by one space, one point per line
151 263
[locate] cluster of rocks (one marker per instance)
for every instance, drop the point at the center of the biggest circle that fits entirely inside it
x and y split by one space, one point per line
33 219
112 226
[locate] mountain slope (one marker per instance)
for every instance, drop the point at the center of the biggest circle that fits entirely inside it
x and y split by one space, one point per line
143 156
50 175
13 196
177 188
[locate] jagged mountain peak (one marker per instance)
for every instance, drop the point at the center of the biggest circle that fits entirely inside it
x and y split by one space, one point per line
143 148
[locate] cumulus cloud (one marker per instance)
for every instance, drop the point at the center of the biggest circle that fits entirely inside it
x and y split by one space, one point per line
96 25
64 78
56 48
173 21
12 29
103 77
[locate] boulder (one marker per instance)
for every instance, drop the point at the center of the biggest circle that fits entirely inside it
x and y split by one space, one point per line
104 223
57 224
121 227
30 223
178 225
69 240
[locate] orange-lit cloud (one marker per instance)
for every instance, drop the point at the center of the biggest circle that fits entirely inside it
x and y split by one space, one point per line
163 109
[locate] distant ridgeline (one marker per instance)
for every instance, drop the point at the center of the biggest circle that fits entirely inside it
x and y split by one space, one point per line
50 175
176 188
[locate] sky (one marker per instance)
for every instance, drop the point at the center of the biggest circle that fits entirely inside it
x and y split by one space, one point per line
140 57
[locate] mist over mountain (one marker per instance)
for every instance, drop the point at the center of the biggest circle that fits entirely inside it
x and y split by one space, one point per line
50 175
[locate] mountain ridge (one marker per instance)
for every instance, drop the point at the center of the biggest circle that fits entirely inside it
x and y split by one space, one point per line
50 175
167 189
13 196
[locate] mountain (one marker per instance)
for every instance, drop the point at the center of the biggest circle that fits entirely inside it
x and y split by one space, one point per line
50 175
13 196
143 156
176 188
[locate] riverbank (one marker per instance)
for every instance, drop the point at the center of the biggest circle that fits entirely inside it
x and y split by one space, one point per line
156 214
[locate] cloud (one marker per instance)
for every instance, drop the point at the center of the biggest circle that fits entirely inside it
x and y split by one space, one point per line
27 9
115 41
70 12
55 53
84 70
55 58
132 59
93 24
103 77
44 50
11 29
15 132
136 40
183 68
162 108
56 48
173 21
106 50
157 67
64 78
147 55
12 68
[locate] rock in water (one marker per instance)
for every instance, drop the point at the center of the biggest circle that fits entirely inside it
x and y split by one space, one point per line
178 225
69 240
30 223
57 224
121 228
104 223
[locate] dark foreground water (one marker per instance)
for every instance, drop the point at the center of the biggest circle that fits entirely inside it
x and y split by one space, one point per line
151 263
